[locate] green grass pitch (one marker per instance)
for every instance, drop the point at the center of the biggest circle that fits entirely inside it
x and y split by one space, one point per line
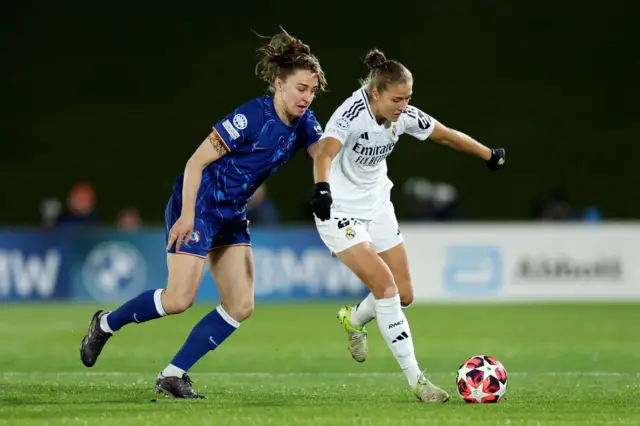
289 365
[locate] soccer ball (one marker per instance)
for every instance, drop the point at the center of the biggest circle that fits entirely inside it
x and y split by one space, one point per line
481 379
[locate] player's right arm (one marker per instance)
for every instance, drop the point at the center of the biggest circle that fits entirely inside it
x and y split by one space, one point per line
234 129
209 151
229 133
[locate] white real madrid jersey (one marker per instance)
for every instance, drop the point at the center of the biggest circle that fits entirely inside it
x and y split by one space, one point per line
358 177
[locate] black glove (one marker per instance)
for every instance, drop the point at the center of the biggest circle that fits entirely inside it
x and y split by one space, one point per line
497 160
321 201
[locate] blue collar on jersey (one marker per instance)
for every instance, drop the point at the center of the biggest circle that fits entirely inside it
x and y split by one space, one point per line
293 125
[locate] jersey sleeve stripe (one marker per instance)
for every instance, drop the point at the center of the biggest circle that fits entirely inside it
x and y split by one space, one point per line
356 104
410 112
355 113
222 140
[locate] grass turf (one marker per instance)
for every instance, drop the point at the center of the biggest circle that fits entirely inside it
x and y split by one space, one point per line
288 365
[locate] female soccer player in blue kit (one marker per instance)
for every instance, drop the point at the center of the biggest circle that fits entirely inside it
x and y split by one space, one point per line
206 214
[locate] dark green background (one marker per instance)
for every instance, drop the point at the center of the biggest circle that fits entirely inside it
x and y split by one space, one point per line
121 95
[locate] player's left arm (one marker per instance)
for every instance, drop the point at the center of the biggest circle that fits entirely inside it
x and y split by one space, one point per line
422 126
459 141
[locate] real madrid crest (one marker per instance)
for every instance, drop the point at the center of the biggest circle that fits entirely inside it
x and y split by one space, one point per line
350 233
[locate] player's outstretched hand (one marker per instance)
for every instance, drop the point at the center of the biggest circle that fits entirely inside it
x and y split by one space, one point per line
498 158
181 229
321 201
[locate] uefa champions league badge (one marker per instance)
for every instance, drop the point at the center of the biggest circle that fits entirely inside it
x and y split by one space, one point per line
343 123
240 121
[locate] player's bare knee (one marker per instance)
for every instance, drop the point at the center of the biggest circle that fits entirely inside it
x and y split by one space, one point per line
245 311
177 306
382 286
390 291
239 310
176 303
406 298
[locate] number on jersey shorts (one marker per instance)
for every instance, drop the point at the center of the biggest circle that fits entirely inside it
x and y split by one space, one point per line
343 231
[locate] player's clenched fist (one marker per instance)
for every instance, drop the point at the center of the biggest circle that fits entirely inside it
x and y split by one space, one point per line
497 160
321 201
181 229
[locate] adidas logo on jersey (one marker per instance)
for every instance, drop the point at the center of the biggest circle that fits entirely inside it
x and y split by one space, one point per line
365 136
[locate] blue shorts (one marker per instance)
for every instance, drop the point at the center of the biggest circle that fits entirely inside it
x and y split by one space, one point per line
227 227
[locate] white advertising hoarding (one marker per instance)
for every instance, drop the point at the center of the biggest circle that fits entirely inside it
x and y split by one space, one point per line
529 262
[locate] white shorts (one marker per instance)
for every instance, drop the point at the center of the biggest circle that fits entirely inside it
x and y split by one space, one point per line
343 231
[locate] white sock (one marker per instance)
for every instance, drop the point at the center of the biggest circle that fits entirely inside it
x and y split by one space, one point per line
364 312
104 325
172 371
395 330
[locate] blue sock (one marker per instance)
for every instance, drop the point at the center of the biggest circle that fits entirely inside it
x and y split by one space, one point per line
144 307
207 335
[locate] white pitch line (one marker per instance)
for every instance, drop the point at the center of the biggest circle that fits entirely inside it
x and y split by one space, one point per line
306 374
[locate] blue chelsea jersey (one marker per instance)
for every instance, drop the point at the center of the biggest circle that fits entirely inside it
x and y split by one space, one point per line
259 144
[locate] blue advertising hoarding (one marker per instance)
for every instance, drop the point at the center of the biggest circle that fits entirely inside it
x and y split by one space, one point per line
109 266
34 265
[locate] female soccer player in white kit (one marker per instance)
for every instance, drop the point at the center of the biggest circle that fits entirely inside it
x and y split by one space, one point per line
354 214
